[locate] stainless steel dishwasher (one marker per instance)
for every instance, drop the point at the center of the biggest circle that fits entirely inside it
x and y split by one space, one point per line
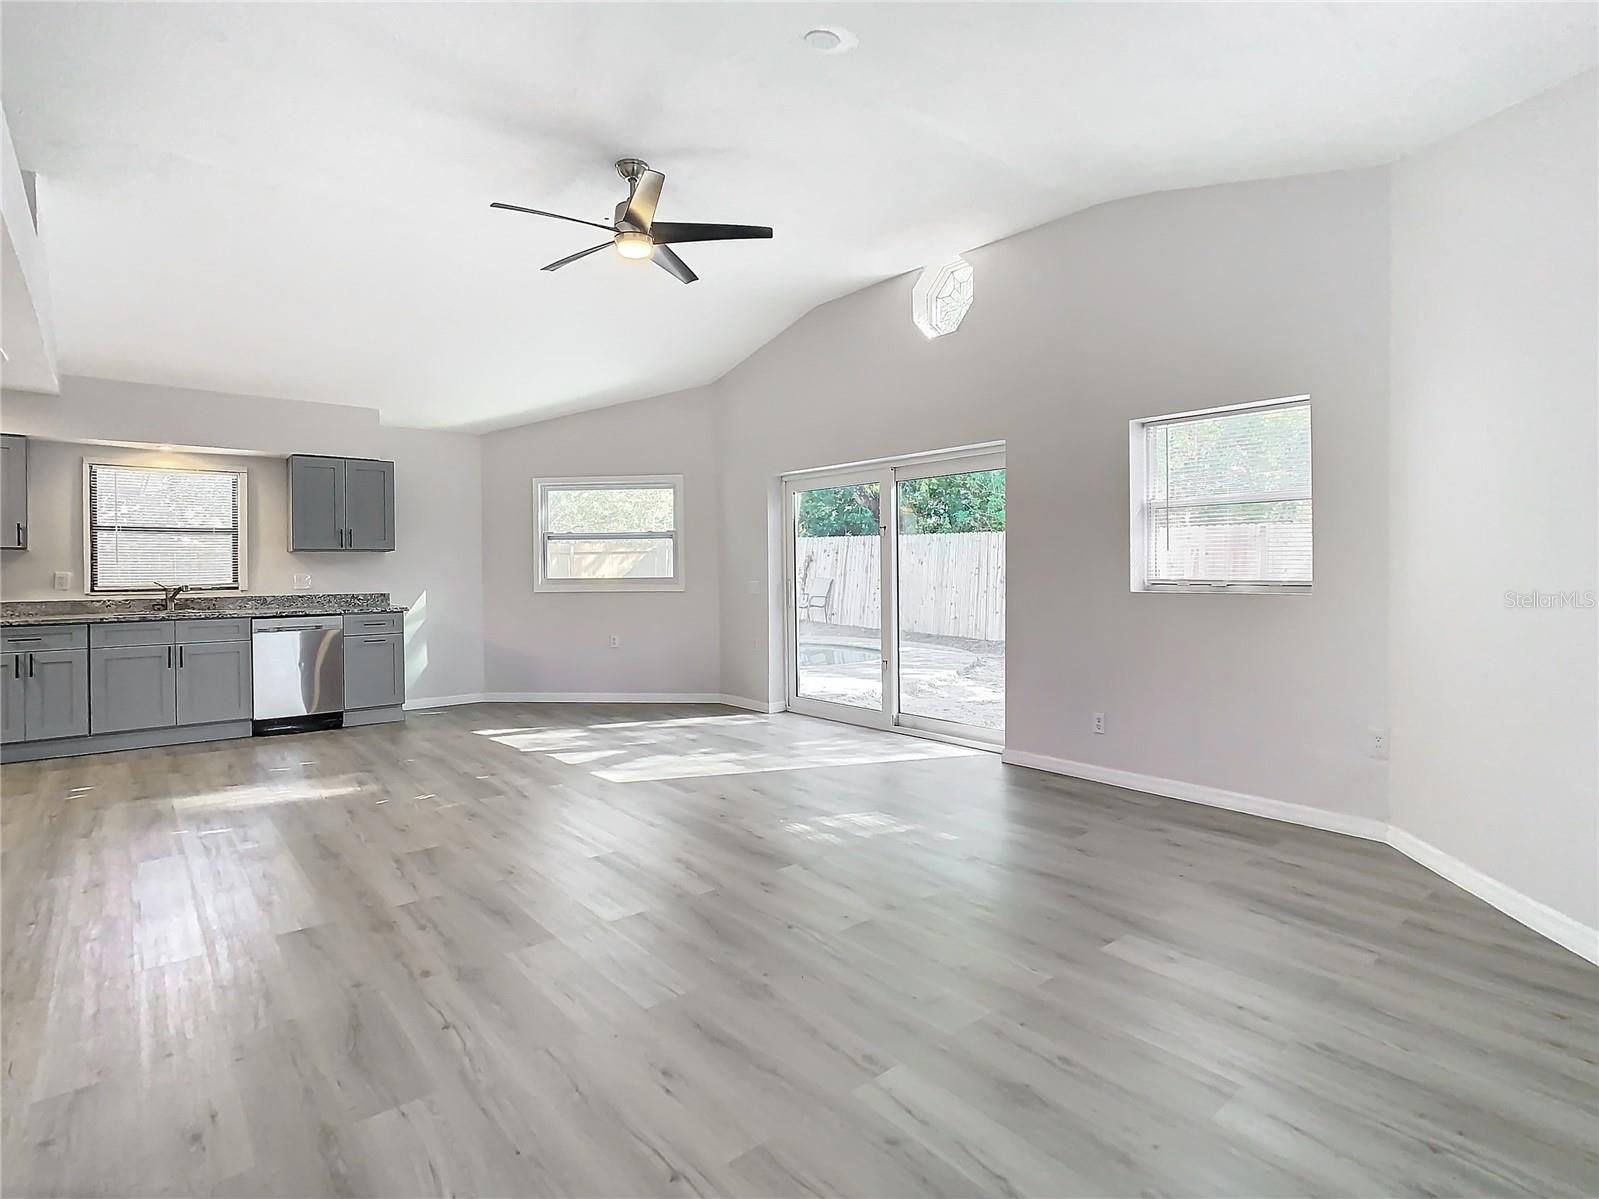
299 672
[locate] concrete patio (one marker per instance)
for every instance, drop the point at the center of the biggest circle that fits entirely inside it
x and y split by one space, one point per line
944 678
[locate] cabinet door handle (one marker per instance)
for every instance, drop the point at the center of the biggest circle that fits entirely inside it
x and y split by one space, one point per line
375 640
180 657
19 532
169 657
30 666
16 671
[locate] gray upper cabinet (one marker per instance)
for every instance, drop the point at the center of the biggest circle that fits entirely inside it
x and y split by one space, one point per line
214 682
316 503
374 671
369 504
13 492
340 503
55 694
13 697
132 687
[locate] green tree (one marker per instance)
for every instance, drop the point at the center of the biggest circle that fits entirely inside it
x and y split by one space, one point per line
840 511
973 502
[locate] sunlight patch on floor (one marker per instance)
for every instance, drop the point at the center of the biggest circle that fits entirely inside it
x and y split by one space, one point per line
630 751
264 794
837 830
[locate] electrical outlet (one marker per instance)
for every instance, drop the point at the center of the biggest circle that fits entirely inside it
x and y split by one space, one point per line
302 582
615 641
1377 743
62 580
1099 722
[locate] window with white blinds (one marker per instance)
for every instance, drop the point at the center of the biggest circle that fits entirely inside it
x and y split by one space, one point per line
149 526
1222 499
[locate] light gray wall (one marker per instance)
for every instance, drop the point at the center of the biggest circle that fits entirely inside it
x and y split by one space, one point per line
1155 305
549 643
1159 304
436 570
1494 423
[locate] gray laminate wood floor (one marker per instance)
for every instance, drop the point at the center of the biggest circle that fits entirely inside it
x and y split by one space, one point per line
556 950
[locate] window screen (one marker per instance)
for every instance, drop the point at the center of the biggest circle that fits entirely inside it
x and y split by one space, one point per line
611 536
150 526
1226 498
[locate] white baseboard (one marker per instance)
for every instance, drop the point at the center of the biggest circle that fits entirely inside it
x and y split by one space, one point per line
441 701
592 697
1538 916
753 705
601 697
1234 801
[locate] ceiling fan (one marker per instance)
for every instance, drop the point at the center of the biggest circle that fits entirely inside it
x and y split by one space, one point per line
636 232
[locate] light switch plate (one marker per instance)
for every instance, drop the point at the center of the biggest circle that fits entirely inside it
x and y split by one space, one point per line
62 580
302 582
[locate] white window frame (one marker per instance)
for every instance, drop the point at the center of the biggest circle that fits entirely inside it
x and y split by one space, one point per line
1139 516
541 537
243 478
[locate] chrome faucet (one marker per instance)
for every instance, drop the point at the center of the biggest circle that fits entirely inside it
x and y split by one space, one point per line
169 595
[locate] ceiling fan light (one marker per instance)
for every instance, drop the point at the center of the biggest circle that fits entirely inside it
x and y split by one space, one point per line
634 245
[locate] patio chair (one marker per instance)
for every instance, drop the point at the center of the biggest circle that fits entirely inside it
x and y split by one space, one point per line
818 595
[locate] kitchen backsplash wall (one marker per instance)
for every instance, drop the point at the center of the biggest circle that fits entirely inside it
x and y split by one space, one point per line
435 571
55 524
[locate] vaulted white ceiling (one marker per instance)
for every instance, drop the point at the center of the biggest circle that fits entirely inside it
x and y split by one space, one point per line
292 199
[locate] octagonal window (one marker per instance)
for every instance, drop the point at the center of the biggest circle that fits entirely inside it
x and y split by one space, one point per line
941 297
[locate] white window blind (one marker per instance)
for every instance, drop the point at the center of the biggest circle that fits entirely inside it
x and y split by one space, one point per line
1226 498
155 525
609 535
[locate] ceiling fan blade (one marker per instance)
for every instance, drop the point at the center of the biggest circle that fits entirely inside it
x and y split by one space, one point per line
641 205
663 232
560 262
556 215
673 265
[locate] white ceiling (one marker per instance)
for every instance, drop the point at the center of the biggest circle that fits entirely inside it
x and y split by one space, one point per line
292 200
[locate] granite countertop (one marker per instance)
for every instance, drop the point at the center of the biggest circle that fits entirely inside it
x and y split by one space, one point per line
102 611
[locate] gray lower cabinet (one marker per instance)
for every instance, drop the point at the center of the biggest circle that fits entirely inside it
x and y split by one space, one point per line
133 687
214 682
13 492
340 503
374 671
13 697
56 694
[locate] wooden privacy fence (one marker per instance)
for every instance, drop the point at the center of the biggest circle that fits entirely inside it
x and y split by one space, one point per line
950 584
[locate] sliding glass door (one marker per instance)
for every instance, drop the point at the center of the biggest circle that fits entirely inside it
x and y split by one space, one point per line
950 593
896 595
838 658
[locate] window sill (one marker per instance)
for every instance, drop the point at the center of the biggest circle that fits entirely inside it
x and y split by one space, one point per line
1224 589
603 587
